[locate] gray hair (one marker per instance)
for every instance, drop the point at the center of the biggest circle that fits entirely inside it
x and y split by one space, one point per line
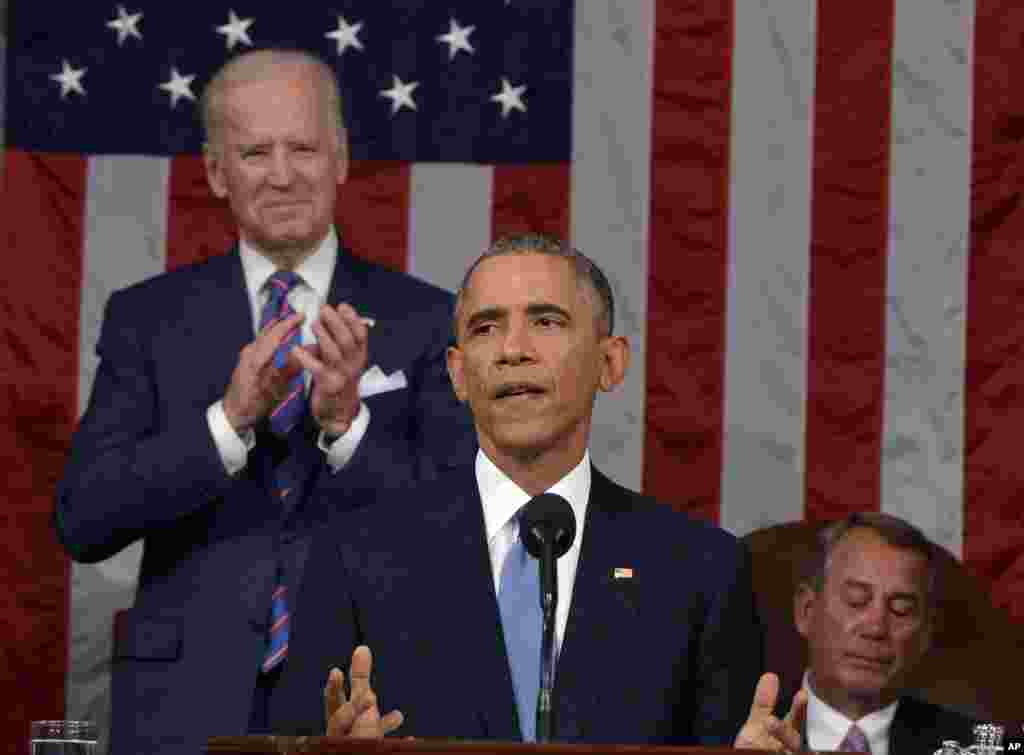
258 65
895 531
585 268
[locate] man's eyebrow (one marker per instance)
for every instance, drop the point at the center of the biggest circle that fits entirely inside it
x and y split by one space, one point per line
546 308
484 315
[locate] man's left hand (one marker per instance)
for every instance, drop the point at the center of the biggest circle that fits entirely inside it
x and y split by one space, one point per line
763 730
357 714
336 364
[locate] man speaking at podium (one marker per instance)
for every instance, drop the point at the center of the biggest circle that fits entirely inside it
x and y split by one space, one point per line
656 637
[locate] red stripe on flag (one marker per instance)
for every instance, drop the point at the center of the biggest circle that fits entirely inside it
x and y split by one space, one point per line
531 198
994 390
373 212
688 253
40 305
849 234
199 225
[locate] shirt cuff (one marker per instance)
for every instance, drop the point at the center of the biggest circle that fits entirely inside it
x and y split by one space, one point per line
232 447
343 448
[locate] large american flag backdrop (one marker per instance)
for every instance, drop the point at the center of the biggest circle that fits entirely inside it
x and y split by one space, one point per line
810 212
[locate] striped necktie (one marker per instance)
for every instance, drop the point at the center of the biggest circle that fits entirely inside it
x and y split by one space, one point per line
855 740
292 408
277 641
283 418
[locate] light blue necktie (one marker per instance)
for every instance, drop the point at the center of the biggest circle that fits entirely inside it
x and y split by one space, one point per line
519 601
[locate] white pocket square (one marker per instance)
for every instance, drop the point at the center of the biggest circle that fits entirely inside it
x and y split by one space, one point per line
374 381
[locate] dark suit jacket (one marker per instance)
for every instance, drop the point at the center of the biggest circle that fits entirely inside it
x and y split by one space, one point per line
144 465
669 656
920 727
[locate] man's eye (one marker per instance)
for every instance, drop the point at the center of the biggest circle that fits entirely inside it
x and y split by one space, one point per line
482 329
253 153
903 606
547 322
857 597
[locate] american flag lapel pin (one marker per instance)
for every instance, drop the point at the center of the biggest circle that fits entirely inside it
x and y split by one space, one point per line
622 572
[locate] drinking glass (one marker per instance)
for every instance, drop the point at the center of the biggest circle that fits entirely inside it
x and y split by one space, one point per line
63 738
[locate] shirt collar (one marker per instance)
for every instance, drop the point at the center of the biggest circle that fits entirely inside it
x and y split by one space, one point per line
502 497
316 270
827 727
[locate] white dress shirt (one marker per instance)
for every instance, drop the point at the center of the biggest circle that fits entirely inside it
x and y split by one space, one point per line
502 498
307 297
827 727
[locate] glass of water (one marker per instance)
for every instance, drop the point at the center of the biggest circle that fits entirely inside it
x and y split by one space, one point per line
63 738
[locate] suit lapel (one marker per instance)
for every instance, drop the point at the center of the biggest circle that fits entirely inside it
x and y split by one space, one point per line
601 618
354 282
347 284
461 535
905 737
220 319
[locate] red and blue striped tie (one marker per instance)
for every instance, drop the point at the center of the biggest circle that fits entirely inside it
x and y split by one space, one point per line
277 647
285 416
287 413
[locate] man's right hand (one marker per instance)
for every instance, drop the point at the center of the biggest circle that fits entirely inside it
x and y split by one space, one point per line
257 386
357 714
763 731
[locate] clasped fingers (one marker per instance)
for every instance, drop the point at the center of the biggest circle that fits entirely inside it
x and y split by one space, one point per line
257 385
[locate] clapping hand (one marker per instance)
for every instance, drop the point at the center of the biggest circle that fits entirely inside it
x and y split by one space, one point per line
336 363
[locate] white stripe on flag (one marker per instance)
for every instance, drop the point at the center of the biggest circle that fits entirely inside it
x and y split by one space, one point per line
610 200
769 264
449 220
923 443
125 230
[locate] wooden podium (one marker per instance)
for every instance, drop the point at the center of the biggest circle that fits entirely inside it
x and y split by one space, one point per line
271 745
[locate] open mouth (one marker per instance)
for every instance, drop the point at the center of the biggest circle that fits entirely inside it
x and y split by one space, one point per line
513 390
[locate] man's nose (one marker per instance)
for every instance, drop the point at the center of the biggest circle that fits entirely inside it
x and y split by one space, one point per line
281 170
875 620
517 345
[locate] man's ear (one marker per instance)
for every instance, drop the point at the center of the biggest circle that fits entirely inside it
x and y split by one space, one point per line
803 608
214 171
616 356
455 373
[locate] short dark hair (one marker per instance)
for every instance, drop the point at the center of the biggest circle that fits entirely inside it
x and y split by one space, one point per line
897 532
585 268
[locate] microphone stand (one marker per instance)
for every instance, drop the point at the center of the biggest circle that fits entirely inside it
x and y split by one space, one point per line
547 530
548 600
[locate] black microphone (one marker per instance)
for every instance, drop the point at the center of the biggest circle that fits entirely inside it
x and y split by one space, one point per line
547 529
